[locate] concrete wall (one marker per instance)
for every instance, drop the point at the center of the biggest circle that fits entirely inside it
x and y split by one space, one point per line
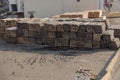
48 8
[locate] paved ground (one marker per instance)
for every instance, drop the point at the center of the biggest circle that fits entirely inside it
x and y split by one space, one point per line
117 74
25 63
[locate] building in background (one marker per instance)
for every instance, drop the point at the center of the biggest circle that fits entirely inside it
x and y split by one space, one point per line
3 6
48 8
16 6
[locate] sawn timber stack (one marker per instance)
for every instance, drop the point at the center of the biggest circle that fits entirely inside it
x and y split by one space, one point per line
70 33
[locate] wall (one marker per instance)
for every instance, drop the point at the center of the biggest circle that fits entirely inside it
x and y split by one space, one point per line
74 6
42 8
20 6
48 8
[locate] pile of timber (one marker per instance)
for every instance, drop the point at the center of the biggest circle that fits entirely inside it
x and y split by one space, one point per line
29 29
11 34
70 33
84 14
116 29
94 13
7 23
73 15
26 32
9 31
113 15
108 40
2 29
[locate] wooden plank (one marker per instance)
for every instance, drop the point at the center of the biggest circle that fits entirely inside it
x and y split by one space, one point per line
113 15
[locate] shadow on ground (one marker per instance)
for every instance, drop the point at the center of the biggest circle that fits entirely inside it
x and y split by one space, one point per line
42 49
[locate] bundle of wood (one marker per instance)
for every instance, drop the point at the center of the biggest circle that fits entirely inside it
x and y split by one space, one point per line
2 29
116 29
73 34
77 33
72 15
22 32
94 13
113 15
84 14
90 33
11 35
109 41
8 23
27 31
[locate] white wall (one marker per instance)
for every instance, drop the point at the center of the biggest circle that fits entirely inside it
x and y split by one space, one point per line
48 8
73 5
12 1
42 8
20 5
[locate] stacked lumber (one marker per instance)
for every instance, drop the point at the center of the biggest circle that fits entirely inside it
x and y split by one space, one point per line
73 15
109 41
94 13
11 35
90 33
36 33
22 32
84 14
8 23
75 34
2 29
116 29
27 31
114 44
70 33
113 15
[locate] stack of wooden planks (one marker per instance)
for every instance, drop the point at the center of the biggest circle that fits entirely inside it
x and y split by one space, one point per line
94 13
84 14
116 29
11 35
113 15
67 32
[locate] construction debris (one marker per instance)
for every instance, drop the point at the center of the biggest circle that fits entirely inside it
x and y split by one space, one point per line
84 74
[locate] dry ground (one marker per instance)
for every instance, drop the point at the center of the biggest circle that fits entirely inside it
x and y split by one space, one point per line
19 62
